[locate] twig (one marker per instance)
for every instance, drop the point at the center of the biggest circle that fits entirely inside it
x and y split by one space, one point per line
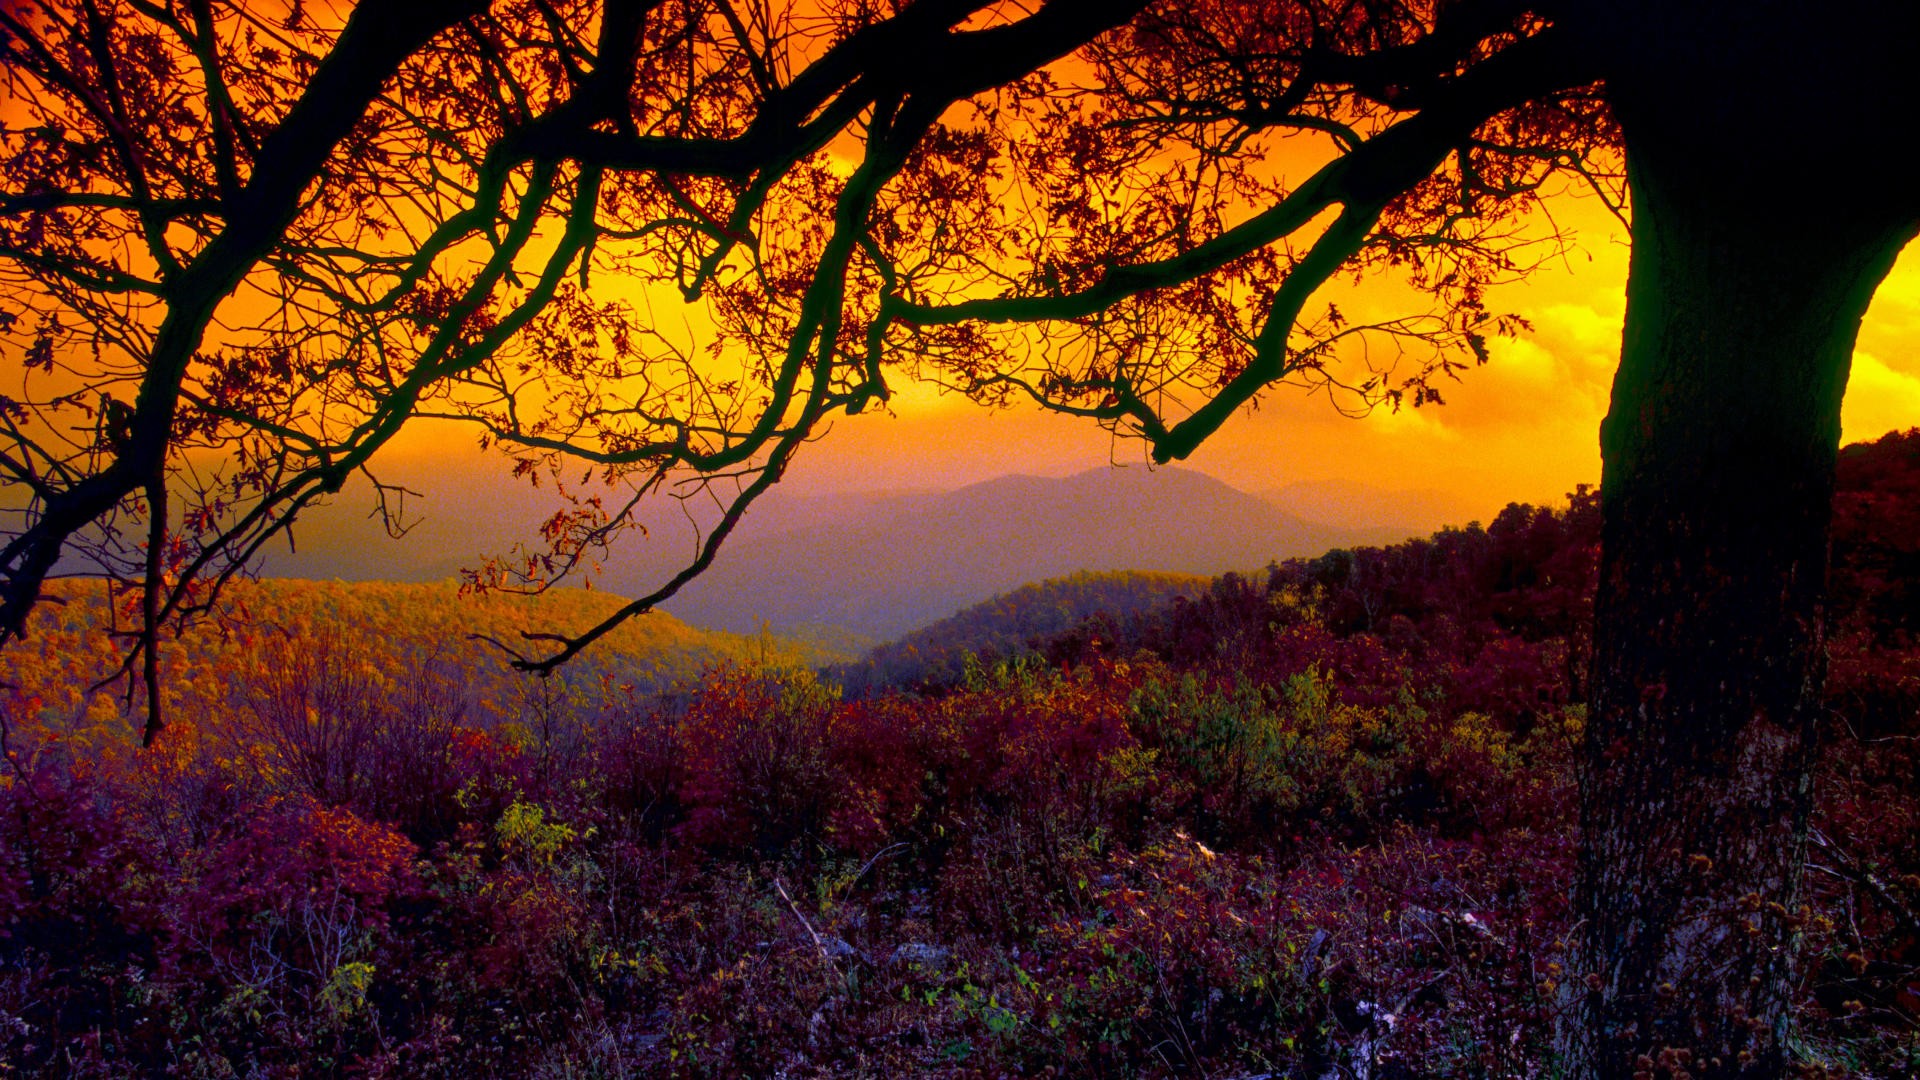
1851 869
868 865
818 943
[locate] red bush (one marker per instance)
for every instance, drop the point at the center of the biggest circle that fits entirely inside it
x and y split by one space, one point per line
759 767
292 893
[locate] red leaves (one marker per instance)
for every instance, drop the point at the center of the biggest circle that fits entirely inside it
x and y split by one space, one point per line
299 852
760 771
1399 847
66 860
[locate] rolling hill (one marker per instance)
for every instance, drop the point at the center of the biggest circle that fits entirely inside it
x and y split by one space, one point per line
850 566
1005 625
392 634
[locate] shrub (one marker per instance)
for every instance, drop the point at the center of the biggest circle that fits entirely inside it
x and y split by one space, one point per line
78 919
1246 757
760 773
1035 766
321 717
638 764
315 708
291 896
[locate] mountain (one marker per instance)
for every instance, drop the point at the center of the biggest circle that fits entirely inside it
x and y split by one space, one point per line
862 565
886 564
459 511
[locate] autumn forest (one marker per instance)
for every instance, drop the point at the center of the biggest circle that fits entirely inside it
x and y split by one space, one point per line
1315 820
1621 787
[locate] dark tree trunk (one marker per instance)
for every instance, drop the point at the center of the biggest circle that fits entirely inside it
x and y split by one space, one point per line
1754 258
1719 453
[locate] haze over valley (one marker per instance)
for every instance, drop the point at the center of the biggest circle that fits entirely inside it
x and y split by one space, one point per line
874 565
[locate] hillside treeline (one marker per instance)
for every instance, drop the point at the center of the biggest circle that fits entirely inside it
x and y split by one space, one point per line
1010 626
380 644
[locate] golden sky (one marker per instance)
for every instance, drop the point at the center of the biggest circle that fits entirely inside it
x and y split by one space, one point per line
1523 428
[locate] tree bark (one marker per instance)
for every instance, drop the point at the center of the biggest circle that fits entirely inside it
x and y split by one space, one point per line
1744 298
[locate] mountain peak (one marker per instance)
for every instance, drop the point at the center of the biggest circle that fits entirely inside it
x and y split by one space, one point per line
938 553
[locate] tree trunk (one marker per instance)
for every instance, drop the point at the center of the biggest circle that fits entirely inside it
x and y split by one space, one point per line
1743 302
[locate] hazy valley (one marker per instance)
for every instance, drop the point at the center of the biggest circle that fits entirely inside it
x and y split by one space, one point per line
872 566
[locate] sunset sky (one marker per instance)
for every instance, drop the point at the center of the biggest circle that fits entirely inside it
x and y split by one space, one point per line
1522 428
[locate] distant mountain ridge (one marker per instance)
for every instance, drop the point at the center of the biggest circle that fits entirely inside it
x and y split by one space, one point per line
870 565
908 560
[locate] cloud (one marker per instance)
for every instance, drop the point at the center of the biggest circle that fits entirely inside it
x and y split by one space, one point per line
1879 399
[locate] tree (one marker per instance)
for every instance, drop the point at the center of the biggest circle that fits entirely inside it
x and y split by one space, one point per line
244 247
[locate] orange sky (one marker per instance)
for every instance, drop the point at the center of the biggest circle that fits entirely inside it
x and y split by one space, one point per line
1524 427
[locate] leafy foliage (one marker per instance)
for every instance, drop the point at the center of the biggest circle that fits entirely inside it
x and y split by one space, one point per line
274 239
1311 823
311 668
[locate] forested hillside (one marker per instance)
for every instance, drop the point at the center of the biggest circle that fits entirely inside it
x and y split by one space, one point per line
1309 823
1008 626
370 639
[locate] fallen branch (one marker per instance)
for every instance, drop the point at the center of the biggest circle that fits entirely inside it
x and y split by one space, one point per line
819 943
